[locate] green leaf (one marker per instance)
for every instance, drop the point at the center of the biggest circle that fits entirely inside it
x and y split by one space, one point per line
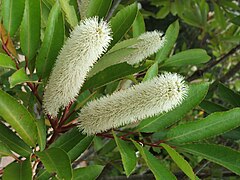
171 37
13 141
98 8
12 12
56 160
18 117
180 161
213 125
128 155
111 74
228 95
42 136
218 12
221 155
110 59
70 12
188 57
52 42
107 147
151 72
211 107
196 94
122 22
18 77
43 175
233 134
158 169
163 12
138 25
89 172
6 62
30 28
18 171
80 147
4 150
68 140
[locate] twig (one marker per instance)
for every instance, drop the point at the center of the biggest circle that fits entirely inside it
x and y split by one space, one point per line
34 90
64 116
16 61
156 144
212 63
114 7
230 73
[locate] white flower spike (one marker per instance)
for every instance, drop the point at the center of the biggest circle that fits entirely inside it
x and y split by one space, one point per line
147 99
142 47
148 44
87 42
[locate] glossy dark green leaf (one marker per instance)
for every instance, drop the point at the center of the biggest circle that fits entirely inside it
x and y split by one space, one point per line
154 164
68 140
211 107
89 172
196 94
111 74
122 22
56 160
219 154
228 95
4 150
6 61
18 77
180 161
18 171
52 42
43 174
18 117
188 57
138 25
213 125
171 36
13 141
12 12
128 155
98 8
42 135
107 147
80 147
233 134
30 28
69 12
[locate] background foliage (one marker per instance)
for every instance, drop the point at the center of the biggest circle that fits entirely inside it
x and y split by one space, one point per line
199 139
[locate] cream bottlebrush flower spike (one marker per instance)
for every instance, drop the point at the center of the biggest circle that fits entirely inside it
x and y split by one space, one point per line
142 47
150 98
86 44
148 44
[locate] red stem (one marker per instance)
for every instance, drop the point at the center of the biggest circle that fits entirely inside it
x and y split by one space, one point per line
127 139
65 113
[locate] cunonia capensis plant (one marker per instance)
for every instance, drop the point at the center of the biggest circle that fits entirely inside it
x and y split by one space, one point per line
87 92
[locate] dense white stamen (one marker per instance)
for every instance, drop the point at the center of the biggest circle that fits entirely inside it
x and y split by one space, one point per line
161 94
86 44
